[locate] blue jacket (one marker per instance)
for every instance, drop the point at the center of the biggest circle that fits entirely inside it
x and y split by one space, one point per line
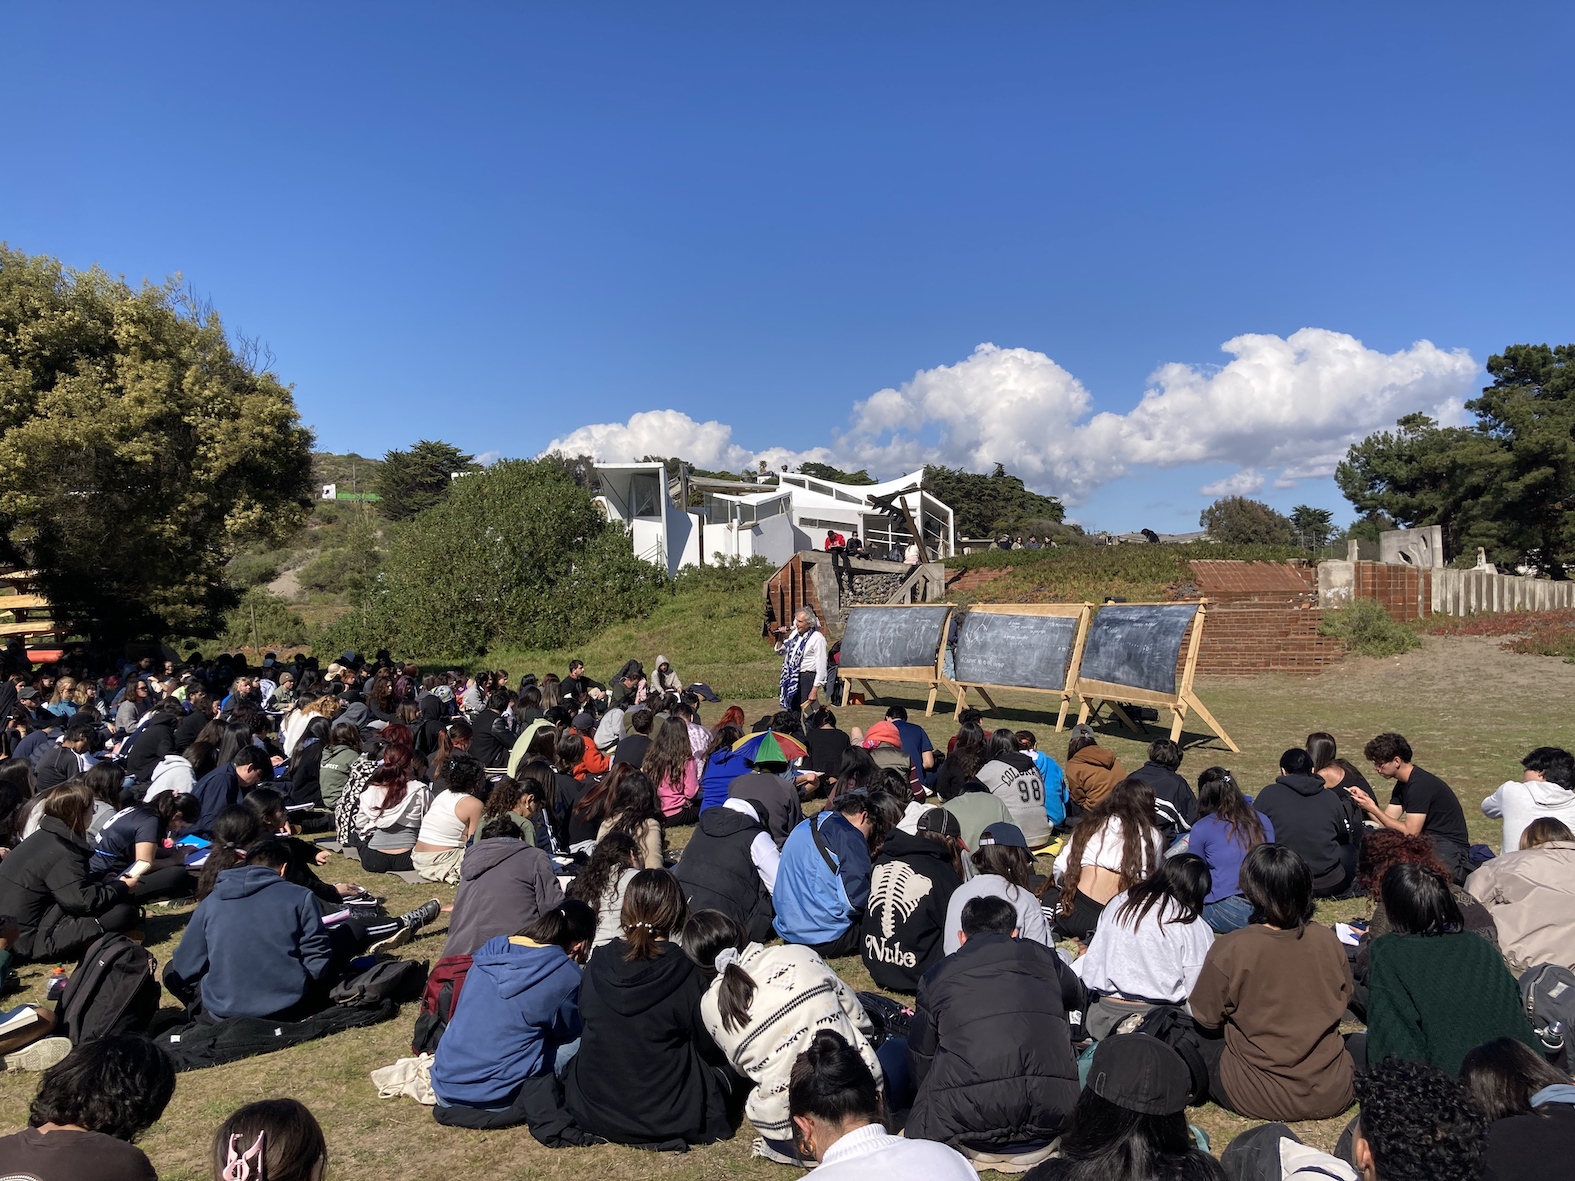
813 904
519 1004
1055 787
216 791
257 944
720 770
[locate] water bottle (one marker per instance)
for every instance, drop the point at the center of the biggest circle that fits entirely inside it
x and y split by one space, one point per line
1552 1035
57 985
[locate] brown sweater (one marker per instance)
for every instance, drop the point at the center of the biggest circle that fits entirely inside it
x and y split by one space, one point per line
1091 774
1280 998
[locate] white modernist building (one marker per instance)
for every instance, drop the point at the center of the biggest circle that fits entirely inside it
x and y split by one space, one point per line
774 521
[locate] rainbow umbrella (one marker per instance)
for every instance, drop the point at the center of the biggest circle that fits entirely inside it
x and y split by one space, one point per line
770 747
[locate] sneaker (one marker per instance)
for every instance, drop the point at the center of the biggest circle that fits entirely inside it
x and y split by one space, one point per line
422 915
401 936
41 1055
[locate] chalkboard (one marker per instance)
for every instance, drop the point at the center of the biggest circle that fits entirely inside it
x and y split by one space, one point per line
892 637
1017 651
1137 644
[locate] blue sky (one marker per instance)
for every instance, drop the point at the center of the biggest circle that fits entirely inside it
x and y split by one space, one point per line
613 225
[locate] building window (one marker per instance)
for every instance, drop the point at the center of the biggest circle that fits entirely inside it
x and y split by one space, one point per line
645 494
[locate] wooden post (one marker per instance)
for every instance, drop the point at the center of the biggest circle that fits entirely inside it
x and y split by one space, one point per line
257 647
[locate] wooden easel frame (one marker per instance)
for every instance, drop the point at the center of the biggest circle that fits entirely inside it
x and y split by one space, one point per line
1082 612
932 676
1095 694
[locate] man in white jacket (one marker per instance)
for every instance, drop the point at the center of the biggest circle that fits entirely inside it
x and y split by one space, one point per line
1543 790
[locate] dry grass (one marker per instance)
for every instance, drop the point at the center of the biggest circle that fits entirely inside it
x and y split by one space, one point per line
1469 709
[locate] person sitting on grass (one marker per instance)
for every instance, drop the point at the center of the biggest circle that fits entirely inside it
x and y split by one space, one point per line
1114 847
1092 772
911 885
1530 897
990 1044
505 884
1530 1110
46 884
670 764
513 1028
272 1140
1309 817
834 1100
730 865
1270 998
90 1108
1050 774
762 1007
647 1073
1227 829
1544 789
389 812
1421 803
274 820
450 820
1130 1121
1003 868
134 838
632 808
823 878
604 882
1150 945
226 784
1435 990
1012 778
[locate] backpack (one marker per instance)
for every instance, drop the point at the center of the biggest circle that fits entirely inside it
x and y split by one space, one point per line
114 990
386 980
1548 992
437 1004
889 1018
1171 1025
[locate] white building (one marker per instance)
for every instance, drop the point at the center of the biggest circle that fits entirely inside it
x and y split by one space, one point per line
774 521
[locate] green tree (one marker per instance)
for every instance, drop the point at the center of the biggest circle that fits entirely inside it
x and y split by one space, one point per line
984 506
409 482
1505 484
139 448
821 471
351 566
1235 520
517 553
1314 526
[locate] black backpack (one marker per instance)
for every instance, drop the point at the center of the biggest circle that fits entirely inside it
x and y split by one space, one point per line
388 980
114 990
1548 993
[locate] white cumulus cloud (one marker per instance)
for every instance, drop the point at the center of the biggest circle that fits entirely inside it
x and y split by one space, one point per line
1283 406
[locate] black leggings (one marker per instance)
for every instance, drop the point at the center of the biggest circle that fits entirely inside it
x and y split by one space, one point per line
173 881
690 815
377 861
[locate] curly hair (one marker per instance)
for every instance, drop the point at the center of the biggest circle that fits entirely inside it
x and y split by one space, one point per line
1131 805
1385 848
1420 1124
118 1086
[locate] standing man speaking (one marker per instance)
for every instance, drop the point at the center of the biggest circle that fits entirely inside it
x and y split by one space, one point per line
803 660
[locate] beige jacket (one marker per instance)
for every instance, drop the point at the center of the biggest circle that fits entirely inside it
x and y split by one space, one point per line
1531 895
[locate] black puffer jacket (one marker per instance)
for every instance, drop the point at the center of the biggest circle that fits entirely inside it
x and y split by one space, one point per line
991 1048
718 873
155 740
1308 817
45 880
910 888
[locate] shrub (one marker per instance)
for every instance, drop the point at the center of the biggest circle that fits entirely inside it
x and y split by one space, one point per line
1366 627
277 625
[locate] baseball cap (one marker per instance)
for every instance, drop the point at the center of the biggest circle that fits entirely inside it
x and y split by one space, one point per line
1140 1073
584 721
1001 833
26 693
1082 730
941 821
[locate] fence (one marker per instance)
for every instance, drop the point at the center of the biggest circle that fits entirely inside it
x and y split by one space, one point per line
1466 592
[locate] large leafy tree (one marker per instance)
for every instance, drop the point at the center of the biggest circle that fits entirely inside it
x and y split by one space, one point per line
518 553
1506 484
985 505
824 471
1313 526
1236 520
409 482
139 448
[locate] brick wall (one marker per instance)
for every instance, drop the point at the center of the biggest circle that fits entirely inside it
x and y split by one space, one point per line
1405 591
1263 617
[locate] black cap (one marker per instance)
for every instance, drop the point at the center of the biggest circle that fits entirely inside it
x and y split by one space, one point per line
941 821
1001 833
1140 1073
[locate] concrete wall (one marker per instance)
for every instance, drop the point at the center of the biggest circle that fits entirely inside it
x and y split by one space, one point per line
1466 592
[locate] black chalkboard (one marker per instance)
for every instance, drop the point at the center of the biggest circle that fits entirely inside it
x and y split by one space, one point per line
892 637
1020 651
1137 644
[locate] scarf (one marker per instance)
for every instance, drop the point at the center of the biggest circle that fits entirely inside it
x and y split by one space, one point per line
792 658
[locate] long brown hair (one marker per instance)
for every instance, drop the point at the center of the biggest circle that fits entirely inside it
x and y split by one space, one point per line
669 755
381 693
593 804
1130 802
653 910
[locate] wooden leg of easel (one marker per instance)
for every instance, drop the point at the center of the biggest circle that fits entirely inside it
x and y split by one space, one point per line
869 690
962 697
929 709
1126 719
1060 721
988 700
1082 713
1208 720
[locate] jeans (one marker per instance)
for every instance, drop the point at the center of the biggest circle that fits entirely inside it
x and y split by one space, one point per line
1228 914
893 1057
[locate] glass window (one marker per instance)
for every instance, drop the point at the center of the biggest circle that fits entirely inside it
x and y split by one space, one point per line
645 494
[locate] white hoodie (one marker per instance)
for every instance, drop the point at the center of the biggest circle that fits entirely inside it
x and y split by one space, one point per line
1518 804
172 773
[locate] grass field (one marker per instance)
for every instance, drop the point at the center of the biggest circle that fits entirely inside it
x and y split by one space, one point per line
1470 709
